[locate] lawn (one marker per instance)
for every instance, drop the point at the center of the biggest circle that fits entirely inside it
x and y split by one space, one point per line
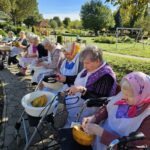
137 49
123 66
133 49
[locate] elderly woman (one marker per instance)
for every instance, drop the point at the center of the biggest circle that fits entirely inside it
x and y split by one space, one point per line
69 69
18 48
7 41
97 79
70 66
127 112
50 64
9 38
31 55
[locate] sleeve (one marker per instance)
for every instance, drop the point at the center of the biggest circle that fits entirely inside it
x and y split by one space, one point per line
101 114
102 88
25 43
41 51
56 58
108 137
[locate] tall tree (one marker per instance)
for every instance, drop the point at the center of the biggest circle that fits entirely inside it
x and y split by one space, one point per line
33 19
66 21
53 24
18 10
96 16
118 20
131 9
57 19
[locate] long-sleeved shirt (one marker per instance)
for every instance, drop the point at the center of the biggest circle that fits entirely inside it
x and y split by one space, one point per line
42 52
102 88
107 137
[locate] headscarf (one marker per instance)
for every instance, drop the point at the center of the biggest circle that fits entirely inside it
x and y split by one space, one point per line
140 83
73 47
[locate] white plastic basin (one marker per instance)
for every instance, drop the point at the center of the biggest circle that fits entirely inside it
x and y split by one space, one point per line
38 111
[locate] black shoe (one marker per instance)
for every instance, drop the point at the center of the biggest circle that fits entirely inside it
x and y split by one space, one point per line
18 66
34 83
20 74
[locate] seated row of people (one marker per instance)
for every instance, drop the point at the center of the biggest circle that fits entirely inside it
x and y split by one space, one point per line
127 112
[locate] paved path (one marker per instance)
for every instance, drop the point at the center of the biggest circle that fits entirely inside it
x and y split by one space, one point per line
126 56
14 89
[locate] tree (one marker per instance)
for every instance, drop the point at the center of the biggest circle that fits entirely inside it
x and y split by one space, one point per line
33 19
132 10
53 24
76 24
66 21
18 10
57 19
118 20
96 16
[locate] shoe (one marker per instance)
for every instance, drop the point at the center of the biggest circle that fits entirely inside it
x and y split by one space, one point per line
18 66
34 83
20 74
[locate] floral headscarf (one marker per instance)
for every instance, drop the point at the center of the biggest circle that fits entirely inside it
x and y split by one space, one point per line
140 84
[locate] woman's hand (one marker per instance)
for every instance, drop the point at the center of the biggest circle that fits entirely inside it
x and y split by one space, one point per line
60 77
90 119
93 129
75 89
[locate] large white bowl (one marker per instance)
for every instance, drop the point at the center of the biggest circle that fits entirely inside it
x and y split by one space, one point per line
54 86
38 111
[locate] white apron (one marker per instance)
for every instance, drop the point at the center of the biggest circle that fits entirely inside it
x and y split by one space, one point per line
74 109
65 71
74 70
40 71
121 126
24 62
16 50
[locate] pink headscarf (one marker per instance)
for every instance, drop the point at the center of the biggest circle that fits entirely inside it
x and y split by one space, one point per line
140 84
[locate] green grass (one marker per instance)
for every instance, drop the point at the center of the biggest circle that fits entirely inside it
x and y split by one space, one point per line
133 49
123 66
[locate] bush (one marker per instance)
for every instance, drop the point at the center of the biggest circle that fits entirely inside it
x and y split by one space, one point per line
59 39
105 39
125 39
3 33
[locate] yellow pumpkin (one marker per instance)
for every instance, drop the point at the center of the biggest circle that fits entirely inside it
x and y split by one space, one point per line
82 137
39 101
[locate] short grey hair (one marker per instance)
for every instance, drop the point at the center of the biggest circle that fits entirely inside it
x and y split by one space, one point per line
48 41
91 52
36 38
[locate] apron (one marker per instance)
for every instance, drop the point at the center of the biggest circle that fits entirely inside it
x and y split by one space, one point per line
74 70
74 109
39 72
24 62
120 126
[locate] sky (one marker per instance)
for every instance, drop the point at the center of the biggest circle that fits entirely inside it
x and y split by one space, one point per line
62 8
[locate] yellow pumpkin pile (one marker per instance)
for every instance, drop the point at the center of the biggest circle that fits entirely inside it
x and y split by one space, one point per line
82 137
39 101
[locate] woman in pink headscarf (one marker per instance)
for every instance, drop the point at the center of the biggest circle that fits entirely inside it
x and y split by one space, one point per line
127 112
